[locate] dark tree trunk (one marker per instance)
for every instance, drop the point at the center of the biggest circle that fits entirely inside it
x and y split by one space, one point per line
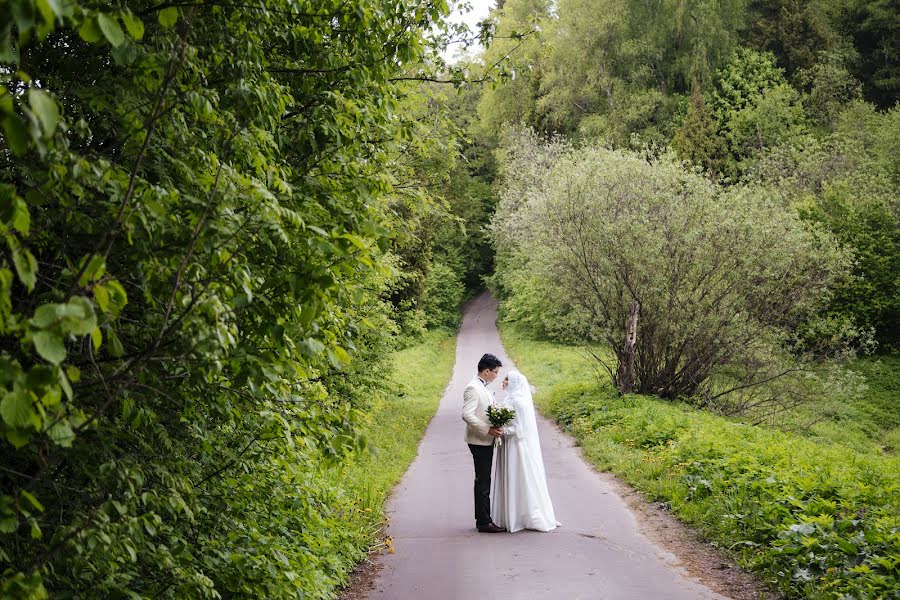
625 375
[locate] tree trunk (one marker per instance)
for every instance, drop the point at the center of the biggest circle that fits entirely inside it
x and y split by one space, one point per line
625 376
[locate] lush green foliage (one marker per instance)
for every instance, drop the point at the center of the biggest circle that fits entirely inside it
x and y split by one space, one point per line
450 250
398 418
443 296
202 210
754 106
876 414
848 183
722 277
613 68
733 88
813 517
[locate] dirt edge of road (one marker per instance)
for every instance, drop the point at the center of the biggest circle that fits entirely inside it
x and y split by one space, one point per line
363 578
702 561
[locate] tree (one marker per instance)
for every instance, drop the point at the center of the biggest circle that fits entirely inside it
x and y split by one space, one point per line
829 87
874 26
754 107
697 141
794 31
198 208
516 44
849 183
721 277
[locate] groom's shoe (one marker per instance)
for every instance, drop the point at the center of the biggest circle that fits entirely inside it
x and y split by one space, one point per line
490 528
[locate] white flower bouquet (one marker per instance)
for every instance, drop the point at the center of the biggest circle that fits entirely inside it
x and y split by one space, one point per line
499 415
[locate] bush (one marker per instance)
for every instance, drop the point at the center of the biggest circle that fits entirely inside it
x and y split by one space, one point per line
444 292
721 277
814 519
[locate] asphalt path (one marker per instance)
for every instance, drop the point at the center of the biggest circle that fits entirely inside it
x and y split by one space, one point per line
598 553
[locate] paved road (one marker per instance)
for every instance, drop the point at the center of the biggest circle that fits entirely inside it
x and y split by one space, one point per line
598 552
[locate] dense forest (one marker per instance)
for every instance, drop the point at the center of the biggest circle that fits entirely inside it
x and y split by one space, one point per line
222 220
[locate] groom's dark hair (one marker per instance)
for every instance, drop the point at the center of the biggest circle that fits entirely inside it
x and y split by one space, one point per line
488 361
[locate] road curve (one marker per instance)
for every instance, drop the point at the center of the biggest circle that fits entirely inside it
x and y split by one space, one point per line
597 554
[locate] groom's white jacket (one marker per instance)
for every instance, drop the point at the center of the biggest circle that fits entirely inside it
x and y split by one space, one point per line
476 399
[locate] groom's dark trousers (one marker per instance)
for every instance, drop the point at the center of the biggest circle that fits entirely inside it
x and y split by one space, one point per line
483 457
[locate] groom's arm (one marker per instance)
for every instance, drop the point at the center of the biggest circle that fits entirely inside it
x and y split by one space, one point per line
470 405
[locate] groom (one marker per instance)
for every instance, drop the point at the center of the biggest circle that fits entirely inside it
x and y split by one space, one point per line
480 437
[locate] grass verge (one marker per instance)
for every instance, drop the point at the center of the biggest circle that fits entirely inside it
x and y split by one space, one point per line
397 424
813 518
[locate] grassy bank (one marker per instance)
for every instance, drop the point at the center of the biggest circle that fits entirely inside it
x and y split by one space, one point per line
397 423
813 517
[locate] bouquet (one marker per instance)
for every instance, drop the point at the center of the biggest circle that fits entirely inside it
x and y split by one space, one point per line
499 415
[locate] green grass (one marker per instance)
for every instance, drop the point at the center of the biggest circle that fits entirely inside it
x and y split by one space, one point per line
398 421
397 424
811 516
868 423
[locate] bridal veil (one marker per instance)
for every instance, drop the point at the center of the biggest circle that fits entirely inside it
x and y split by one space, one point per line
520 499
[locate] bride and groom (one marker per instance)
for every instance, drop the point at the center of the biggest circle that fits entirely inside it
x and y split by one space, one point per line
520 496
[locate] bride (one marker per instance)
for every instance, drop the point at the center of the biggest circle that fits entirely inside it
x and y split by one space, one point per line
520 499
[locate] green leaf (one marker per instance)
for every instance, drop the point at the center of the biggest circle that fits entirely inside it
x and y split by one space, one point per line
45 108
65 385
32 500
168 16
847 546
94 270
96 338
90 31
50 9
312 346
9 53
46 315
341 355
133 24
40 376
13 209
117 295
17 409
111 29
21 220
114 345
6 99
73 373
26 267
17 438
101 295
16 134
131 552
50 346
81 318
8 524
62 434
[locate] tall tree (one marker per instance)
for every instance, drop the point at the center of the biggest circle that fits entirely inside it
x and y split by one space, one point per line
198 208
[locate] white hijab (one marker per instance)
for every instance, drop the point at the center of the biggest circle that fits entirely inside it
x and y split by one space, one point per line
519 396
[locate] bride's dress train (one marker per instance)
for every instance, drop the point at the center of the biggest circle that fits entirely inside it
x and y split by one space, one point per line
519 498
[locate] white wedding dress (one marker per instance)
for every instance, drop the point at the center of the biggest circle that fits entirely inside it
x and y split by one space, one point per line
519 496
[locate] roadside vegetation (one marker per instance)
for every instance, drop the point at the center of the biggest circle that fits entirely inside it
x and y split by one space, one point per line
814 513
394 427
